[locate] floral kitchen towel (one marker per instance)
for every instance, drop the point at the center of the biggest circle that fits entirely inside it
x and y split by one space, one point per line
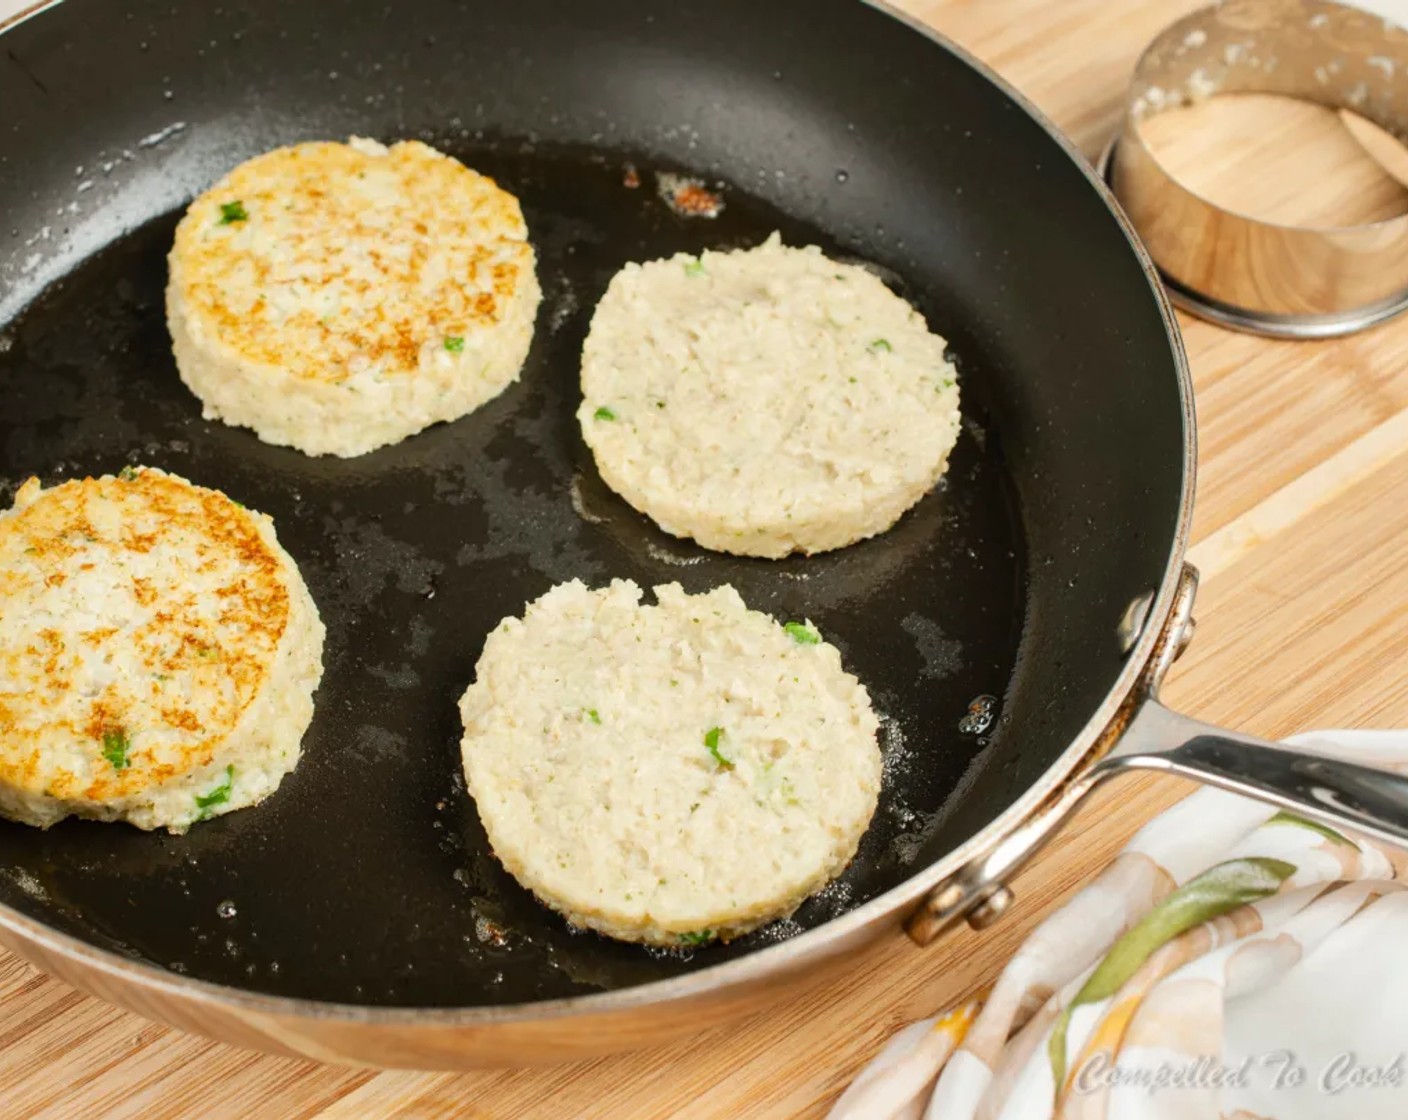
1232 962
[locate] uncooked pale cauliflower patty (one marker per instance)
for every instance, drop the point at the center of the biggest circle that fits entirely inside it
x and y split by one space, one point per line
765 401
668 773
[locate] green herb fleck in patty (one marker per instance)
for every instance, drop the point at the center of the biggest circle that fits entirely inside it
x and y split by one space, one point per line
711 741
115 747
231 212
218 796
802 634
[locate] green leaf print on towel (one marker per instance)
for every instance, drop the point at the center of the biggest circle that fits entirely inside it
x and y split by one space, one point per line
1216 891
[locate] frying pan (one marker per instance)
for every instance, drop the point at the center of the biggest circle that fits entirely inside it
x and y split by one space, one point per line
1011 628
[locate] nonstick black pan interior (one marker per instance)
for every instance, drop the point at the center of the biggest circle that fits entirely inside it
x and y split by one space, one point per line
366 878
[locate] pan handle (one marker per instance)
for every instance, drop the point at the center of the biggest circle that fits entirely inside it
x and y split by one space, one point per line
1339 794
1149 736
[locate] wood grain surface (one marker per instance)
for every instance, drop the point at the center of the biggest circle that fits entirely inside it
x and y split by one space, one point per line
1300 529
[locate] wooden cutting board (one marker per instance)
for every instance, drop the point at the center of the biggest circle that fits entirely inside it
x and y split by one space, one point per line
1300 529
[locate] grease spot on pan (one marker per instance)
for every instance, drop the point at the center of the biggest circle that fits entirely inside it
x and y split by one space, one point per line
528 523
371 561
665 556
942 655
29 884
579 507
399 677
371 743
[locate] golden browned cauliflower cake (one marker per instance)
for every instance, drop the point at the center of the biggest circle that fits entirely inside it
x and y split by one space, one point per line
339 297
158 653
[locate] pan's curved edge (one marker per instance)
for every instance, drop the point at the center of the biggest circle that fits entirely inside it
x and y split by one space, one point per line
13 21
272 1018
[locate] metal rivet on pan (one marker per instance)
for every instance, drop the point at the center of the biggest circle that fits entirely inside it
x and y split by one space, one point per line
992 907
1131 624
947 903
940 909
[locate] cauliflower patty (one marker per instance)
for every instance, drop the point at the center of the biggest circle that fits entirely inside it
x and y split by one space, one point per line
340 297
158 653
668 773
765 401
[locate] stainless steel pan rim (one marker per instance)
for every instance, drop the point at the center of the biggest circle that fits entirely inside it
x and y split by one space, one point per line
813 945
